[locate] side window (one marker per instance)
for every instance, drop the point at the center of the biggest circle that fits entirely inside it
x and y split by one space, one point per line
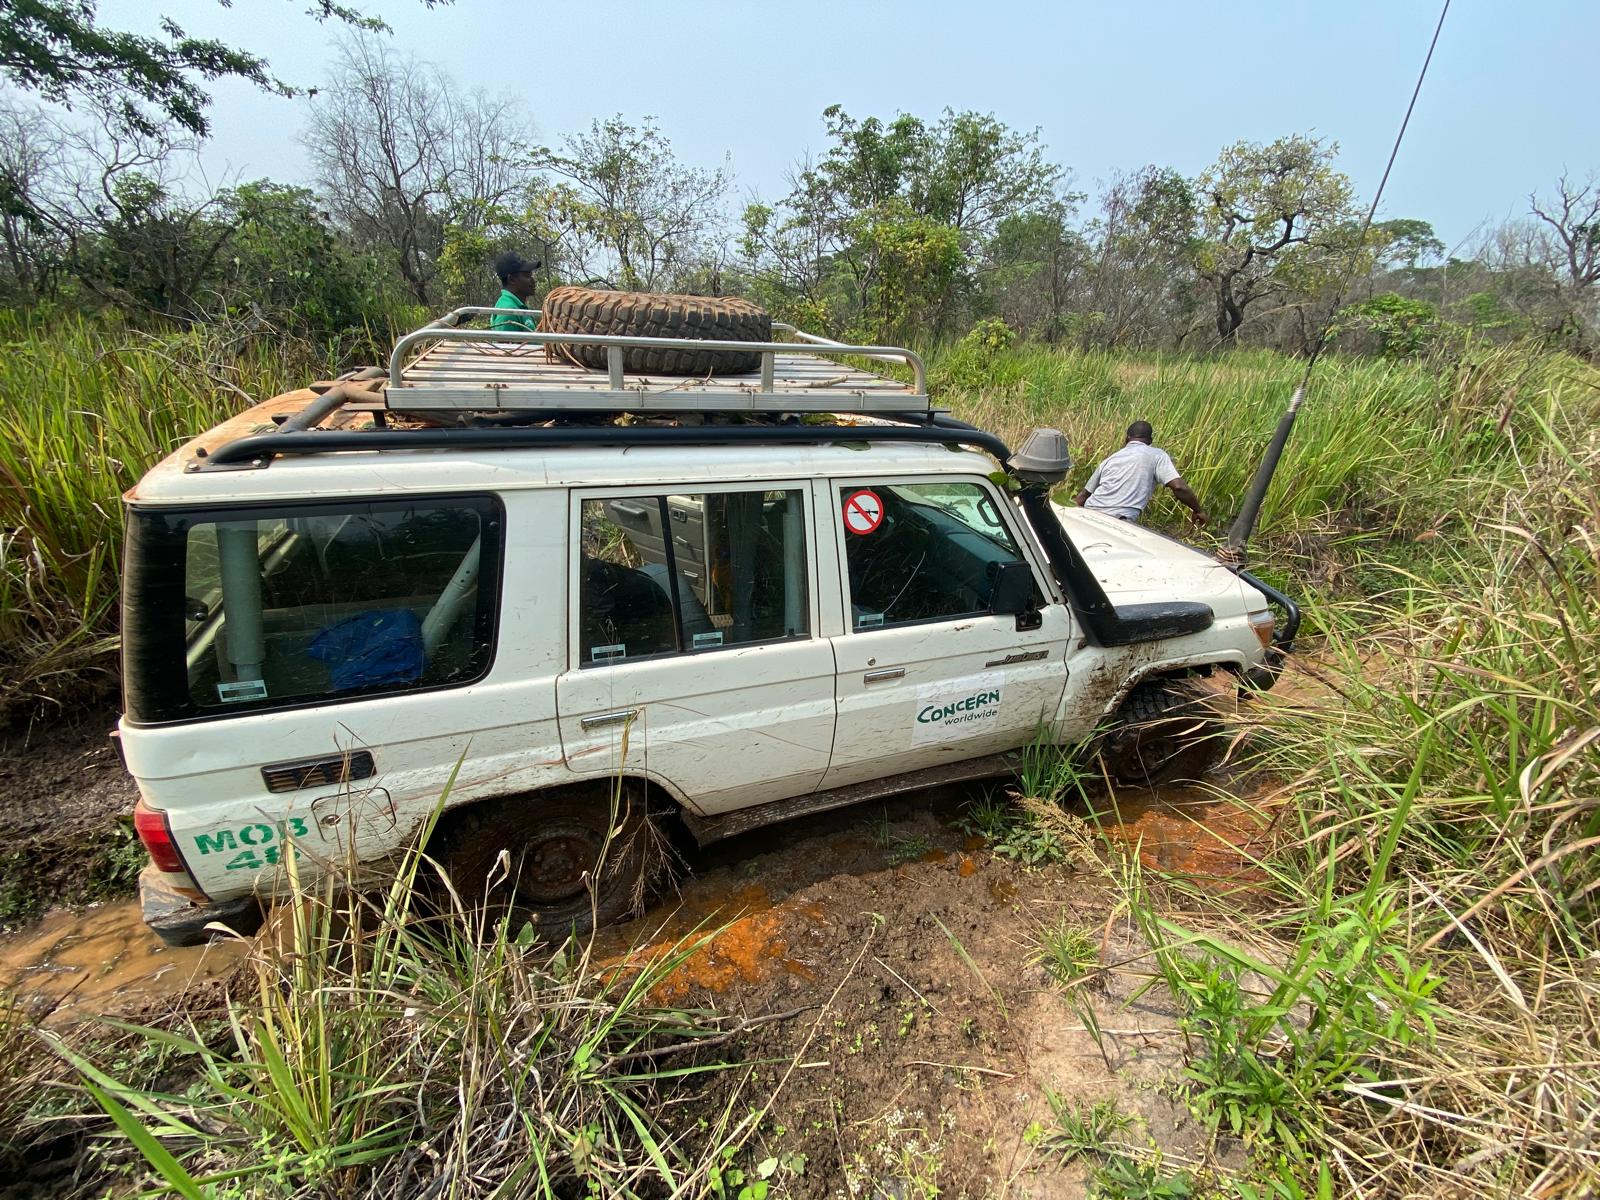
311 604
921 551
682 574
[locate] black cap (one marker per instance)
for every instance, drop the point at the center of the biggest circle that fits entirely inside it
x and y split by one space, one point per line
511 263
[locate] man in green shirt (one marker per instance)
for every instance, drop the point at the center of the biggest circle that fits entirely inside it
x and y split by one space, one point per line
516 289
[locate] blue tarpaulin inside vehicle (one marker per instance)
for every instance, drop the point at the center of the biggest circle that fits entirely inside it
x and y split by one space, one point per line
371 649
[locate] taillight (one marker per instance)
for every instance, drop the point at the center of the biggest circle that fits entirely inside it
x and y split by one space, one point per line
151 826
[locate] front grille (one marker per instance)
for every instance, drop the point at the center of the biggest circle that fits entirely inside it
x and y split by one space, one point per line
318 772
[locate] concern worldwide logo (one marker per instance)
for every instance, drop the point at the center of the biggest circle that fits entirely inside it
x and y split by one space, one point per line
956 712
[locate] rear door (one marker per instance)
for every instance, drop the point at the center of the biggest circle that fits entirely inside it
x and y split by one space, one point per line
926 674
694 657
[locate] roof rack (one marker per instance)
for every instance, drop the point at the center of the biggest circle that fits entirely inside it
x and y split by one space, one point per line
454 368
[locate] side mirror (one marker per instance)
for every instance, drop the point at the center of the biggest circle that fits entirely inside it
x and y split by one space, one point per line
1012 588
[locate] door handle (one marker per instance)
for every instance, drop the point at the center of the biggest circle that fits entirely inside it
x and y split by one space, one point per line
881 676
620 717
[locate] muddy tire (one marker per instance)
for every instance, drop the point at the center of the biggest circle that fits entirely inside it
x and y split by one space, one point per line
652 314
1167 731
576 858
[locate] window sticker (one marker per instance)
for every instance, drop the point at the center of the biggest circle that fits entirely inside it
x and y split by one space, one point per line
957 709
244 689
869 621
702 641
610 653
863 511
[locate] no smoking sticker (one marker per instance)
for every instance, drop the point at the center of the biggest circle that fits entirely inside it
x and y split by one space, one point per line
863 511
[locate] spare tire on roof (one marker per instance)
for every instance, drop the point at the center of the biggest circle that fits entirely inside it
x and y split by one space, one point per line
662 315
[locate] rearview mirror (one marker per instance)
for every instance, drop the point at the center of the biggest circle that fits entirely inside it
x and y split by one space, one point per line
1012 588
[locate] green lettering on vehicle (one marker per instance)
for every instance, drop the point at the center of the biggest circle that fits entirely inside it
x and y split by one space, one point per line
256 835
934 713
222 840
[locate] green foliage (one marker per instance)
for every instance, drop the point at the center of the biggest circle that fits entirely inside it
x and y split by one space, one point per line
624 206
1348 989
284 262
975 362
358 1042
1267 211
1012 832
85 409
1068 951
1124 1178
56 48
1079 1130
1090 1131
1403 328
1408 241
920 264
882 234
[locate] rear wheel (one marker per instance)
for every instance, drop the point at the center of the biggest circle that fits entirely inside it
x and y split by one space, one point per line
1167 731
566 861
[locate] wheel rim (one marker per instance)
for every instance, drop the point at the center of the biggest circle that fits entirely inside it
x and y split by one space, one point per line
556 864
1157 753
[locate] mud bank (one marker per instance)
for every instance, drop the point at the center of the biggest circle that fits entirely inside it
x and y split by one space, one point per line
67 803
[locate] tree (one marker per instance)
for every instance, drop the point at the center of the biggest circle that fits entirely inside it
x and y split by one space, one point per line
1262 208
57 49
283 262
1408 242
833 246
1035 265
102 208
1572 219
626 209
32 168
1141 272
399 152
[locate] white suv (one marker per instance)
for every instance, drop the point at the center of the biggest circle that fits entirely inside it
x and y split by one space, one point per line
597 627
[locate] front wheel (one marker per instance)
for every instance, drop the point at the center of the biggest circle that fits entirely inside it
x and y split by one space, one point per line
567 861
1167 731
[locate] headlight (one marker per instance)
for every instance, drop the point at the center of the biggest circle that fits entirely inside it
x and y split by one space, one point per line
1263 623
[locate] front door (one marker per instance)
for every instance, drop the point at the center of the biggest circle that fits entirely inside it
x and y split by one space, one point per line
926 674
694 653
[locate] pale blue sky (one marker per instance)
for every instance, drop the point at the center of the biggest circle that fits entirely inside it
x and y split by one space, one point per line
1510 101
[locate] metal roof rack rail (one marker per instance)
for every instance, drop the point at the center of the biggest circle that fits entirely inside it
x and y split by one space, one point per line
446 367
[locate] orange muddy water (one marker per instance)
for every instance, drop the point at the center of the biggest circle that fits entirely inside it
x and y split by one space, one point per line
1194 831
104 960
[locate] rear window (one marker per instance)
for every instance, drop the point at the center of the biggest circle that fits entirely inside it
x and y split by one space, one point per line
264 608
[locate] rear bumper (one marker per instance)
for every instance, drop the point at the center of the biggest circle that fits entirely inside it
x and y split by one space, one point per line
179 921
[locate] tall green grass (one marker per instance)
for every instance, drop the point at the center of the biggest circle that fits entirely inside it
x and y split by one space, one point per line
1381 450
1384 451
380 1050
1415 998
86 407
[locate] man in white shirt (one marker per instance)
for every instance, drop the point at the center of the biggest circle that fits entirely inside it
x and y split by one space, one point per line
1122 485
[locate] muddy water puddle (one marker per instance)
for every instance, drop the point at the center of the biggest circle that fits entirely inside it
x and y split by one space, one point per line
751 910
104 960
1193 831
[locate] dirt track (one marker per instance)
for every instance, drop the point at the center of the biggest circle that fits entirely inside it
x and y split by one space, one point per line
924 1033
